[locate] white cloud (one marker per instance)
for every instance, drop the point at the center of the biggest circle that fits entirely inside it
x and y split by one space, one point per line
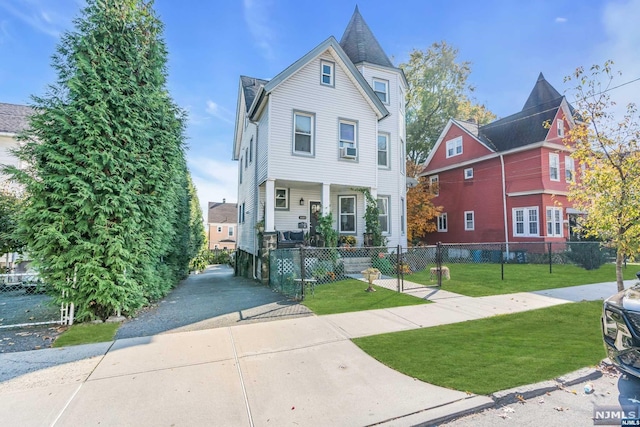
219 112
214 180
561 20
256 16
621 45
51 18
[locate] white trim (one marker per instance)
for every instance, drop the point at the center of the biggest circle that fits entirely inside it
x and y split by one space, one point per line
440 219
386 91
526 221
387 200
332 73
285 198
436 179
555 223
311 135
535 192
354 214
556 158
466 221
468 173
387 137
452 145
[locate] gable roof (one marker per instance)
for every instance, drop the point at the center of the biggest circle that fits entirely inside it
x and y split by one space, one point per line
14 118
222 212
527 126
360 44
334 47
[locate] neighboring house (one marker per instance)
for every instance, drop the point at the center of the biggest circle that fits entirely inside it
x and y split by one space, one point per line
506 181
222 220
333 121
13 120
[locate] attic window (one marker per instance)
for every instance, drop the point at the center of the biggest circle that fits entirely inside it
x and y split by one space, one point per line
560 124
326 73
454 147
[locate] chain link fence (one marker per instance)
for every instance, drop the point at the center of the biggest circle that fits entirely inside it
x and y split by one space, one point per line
24 301
397 265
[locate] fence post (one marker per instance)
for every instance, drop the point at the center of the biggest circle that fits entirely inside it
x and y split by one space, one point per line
550 258
502 249
439 263
302 273
399 269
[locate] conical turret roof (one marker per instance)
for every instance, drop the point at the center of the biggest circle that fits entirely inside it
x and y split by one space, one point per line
360 44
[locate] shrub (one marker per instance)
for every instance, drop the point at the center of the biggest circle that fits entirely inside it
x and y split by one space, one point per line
587 255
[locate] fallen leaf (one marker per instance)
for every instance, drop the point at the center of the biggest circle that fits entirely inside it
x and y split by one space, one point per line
541 400
520 398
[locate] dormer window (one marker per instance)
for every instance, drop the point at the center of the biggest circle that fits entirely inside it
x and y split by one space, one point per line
454 147
381 88
326 73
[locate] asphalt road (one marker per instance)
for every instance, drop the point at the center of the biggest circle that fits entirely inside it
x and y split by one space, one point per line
570 406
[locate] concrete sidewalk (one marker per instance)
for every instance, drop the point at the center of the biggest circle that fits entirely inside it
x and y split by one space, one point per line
302 371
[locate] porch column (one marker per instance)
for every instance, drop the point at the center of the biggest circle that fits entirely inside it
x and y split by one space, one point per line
326 192
374 193
269 208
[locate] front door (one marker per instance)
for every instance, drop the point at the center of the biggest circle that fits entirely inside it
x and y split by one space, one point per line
314 211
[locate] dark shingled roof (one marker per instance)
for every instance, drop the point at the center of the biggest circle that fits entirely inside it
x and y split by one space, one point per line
527 126
360 44
14 118
250 86
222 213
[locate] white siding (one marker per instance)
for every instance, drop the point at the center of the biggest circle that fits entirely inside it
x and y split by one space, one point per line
263 145
303 92
7 143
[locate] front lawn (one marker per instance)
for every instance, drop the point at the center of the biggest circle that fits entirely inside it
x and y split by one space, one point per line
476 280
349 295
496 353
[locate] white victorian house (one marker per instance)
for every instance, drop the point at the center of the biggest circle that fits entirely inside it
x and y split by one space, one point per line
305 140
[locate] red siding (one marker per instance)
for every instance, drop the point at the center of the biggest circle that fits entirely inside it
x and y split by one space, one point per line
471 149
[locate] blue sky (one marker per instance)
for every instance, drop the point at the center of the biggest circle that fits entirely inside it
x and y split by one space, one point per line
212 42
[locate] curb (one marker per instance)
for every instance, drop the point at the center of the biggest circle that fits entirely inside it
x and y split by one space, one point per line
525 392
513 395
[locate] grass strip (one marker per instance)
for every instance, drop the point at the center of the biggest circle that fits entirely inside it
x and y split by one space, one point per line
349 295
496 353
476 280
87 333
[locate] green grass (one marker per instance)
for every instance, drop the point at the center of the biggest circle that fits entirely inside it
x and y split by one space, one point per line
496 353
349 295
478 280
87 333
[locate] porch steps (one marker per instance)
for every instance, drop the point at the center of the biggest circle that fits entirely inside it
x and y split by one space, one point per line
356 264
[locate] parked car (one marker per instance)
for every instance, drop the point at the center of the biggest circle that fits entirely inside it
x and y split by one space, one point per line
621 329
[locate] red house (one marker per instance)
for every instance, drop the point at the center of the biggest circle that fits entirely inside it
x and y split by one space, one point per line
506 181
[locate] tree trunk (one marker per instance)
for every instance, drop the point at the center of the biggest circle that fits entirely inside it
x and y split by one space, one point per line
619 263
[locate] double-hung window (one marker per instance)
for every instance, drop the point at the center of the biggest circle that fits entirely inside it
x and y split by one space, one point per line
569 169
219 229
381 88
303 133
347 134
442 222
554 222
347 208
383 214
231 231
469 221
326 73
525 222
434 185
454 147
554 167
383 150
282 198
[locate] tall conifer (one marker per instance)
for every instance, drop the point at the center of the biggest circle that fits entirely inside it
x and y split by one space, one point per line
108 197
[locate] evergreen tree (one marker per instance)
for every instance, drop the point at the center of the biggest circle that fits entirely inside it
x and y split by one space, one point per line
107 185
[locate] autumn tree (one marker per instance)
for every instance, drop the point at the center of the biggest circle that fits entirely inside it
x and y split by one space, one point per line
606 147
420 208
437 91
107 219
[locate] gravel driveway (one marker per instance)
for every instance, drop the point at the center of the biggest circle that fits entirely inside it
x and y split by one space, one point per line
211 299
